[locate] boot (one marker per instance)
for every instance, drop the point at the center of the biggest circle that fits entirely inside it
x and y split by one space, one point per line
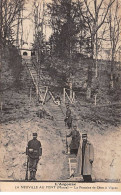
34 173
31 175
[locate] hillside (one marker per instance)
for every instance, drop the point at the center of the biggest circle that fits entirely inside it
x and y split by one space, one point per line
19 117
56 73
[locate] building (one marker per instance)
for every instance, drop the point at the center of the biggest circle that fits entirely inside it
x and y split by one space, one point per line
26 51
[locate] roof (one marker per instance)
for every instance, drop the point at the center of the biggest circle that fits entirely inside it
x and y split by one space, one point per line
26 47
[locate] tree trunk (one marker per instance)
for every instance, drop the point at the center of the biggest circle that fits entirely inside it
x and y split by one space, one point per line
90 70
112 70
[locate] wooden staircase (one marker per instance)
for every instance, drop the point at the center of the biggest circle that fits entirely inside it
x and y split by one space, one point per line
41 91
62 130
58 115
58 112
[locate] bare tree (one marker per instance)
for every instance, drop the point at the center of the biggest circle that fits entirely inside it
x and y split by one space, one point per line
38 14
114 33
9 11
94 16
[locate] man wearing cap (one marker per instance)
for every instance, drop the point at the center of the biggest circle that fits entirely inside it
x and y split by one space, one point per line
85 158
68 119
34 153
75 140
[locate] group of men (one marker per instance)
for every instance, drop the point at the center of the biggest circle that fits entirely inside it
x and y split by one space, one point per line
84 152
82 149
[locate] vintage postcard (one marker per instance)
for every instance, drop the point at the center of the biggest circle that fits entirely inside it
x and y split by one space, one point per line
60 95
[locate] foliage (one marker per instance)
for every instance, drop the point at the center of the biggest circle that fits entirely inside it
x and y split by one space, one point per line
69 30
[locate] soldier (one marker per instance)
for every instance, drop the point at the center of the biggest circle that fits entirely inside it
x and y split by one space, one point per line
68 119
85 158
75 140
34 151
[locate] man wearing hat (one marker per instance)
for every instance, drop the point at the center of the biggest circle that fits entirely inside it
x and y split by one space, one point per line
68 119
34 151
75 140
85 158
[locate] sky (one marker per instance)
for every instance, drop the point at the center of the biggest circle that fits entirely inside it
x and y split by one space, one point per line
28 24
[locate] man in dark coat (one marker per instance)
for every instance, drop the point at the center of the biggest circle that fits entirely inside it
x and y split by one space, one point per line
75 140
34 152
85 158
68 119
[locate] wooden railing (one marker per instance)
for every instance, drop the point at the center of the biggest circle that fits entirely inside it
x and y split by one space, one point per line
70 98
38 88
34 77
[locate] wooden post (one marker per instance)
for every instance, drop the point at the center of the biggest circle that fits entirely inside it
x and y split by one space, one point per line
63 94
73 96
71 93
37 89
1 106
95 99
30 94
111 82
88 95
45 95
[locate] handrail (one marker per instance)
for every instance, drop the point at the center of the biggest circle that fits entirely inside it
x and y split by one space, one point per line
38 88
43 86
68 97
71 99
33 78
34 81
67 89
52 96
45 95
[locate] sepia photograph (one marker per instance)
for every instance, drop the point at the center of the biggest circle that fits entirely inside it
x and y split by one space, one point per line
60 95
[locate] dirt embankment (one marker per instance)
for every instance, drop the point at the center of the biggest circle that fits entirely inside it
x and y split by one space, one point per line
19 119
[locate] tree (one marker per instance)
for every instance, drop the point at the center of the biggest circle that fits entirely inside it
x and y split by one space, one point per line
39 42
10 9
114 32
95 16
68 26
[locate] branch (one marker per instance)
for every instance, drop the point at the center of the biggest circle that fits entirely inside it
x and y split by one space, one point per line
98 8
85 1
110 4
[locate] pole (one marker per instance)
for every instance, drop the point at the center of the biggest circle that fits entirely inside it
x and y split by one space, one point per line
1 106
45 95
64 95
73 96
95 99
30 94
27 165
96 41
71 93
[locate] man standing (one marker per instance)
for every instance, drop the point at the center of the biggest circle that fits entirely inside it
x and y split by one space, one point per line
34 151
75 140
85 159
68 119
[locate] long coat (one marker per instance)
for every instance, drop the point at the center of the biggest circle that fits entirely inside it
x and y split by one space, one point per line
89 155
